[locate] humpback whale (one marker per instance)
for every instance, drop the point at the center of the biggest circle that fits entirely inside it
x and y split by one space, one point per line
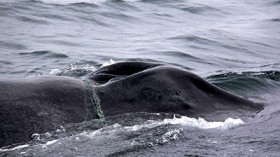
44 103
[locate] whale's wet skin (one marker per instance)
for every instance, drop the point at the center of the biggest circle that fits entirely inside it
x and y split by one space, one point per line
127 87
139 78
50 103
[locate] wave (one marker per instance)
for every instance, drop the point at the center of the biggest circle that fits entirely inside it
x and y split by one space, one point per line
184 121
60 2
75 70
67 2
241 83
272 75
200 9
32 20
166 134
46 54
11 45
274 2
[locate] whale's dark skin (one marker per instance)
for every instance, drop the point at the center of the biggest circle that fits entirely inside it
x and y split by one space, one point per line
125 87
41 104
37 105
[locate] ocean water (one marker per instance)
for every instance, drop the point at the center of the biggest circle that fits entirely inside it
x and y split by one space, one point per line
232 44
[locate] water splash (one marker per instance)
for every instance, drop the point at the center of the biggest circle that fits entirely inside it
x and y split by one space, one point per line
55 72
15 148
111 61
76 71
148 134
183 121
203 124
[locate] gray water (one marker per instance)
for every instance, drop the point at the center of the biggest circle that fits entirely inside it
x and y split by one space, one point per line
233 44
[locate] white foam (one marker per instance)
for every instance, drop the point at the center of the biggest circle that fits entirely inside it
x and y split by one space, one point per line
150 124
61 129
183 121
15 148
55 72
51 142
171 135
27 145
36 136
72 67
44 146
88 67
190 122
111 61
106 130
203 124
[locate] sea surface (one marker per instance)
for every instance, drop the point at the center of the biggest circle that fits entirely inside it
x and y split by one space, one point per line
232 44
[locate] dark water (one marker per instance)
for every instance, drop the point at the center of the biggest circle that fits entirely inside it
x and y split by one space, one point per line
233 44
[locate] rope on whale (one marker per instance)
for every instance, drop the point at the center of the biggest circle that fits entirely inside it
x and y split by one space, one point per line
92 103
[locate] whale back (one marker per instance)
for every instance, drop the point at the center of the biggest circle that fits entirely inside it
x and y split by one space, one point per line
118 71
164 88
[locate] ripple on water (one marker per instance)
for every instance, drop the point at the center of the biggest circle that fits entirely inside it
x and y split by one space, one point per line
45 54
12 45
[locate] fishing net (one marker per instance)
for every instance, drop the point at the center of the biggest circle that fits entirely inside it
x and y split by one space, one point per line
92 103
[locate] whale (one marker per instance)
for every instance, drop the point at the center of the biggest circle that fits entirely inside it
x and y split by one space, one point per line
45 103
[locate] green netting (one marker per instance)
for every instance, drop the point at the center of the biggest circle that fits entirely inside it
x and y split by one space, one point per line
92 103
